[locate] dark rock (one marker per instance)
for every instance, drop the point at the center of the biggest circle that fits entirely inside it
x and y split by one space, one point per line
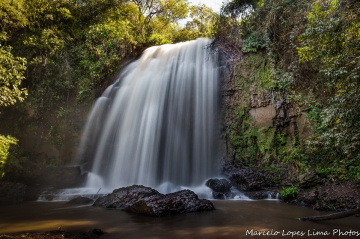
223 195
309 179
247 180
332 196
219 185
33 193
309 198
80 201
181 202
12 193
263 194
145 200
68 177
124 197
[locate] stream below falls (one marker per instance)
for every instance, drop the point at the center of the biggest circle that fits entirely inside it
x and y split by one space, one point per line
231 219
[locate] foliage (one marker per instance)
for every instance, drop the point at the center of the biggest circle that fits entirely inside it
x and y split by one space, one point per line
332 38
11 75
289 193
5 143
310 52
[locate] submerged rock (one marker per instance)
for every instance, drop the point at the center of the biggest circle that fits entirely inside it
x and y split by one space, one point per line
148 201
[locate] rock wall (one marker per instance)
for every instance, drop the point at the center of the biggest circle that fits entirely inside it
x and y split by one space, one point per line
260 126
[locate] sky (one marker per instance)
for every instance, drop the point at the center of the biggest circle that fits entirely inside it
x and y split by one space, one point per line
214 4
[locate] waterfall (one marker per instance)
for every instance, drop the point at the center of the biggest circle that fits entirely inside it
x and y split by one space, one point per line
157 122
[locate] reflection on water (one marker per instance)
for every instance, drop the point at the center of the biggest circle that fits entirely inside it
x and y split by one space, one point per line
231 219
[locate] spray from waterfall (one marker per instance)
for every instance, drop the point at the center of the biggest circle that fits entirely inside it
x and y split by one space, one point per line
158 122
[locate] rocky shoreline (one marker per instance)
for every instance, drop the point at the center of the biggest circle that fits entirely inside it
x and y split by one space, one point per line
311 190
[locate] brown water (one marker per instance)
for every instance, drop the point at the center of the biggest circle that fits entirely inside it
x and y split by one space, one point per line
231 219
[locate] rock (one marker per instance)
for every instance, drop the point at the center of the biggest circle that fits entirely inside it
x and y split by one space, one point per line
80 201
308 198
309 179
181 202
12 193
263 194
223 195
332 196
145 200
247 180
219 185
124 197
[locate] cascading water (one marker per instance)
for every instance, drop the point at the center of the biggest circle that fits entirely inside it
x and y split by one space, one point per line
157 122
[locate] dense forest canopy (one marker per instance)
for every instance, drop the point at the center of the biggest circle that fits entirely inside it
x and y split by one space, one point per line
62 54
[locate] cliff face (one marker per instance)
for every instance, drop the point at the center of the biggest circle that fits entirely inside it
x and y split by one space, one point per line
261 127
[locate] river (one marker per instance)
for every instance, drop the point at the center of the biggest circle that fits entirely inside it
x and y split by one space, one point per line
231 219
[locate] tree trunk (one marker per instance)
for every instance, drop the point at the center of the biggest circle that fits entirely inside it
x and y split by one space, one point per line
332 216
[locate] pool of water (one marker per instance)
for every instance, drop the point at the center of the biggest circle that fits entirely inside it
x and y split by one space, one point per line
231 219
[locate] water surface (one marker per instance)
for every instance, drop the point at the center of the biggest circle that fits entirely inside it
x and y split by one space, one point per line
231 219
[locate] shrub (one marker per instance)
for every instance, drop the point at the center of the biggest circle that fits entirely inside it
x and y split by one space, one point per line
289 193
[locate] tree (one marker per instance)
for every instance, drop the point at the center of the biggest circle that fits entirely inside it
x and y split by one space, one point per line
11 75
155 15
11 68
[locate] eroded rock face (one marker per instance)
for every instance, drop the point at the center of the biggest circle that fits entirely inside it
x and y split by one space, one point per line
148 201
247 180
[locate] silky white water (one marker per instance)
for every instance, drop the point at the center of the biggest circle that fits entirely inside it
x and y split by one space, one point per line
157 124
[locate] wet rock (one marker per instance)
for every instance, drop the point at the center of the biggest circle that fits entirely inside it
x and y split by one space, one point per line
148 201
309 179
223 195
12 193
219 185
263 194
80 201
181 202
124 197
247 180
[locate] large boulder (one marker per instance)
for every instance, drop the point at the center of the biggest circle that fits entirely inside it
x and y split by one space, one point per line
12 193
123 197
181 202
247 180
148 201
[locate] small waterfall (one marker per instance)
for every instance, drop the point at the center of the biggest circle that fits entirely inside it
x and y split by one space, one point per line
157 123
